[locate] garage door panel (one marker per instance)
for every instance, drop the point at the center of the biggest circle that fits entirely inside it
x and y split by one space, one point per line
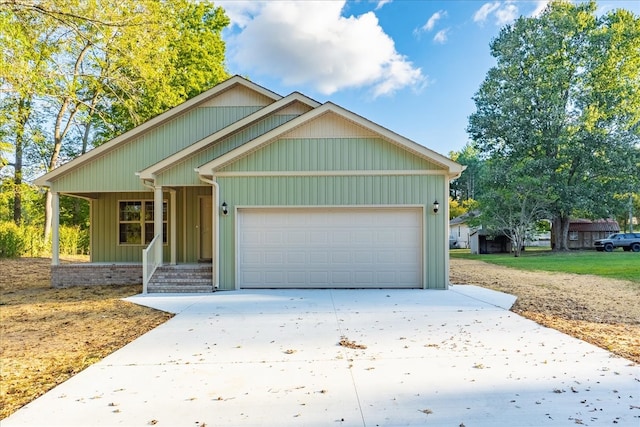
251 257
274 237
274 258
296 258
318 277
296 278
318 237
251 278
273 277
320 247
362 257
318 258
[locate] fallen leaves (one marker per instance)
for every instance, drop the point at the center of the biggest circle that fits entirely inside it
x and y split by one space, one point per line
345 342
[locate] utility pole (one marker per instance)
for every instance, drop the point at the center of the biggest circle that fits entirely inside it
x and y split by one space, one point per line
631 213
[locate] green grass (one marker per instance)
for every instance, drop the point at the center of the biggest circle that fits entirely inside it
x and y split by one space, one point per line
614 265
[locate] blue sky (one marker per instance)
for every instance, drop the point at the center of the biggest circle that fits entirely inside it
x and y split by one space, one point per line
410 66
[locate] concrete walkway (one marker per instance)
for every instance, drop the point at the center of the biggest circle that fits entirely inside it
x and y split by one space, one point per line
272 358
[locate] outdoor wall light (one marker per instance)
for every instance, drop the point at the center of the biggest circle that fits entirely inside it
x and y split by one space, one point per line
225 211
436 206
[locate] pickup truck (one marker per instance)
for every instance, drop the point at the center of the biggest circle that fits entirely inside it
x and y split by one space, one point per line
626 241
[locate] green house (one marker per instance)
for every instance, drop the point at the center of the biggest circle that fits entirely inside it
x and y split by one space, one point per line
257 190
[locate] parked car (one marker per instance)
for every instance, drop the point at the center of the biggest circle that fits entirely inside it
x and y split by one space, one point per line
626 241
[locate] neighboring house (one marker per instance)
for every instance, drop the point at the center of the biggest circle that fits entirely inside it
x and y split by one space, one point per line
459 230
583 232
259 191
482 241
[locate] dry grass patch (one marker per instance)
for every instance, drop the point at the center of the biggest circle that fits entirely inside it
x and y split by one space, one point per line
48 335
602 311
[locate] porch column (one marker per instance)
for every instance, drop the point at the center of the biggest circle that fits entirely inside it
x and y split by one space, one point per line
55 228
173 239
157 220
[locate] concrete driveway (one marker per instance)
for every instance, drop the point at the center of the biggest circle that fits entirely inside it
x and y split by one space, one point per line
272 357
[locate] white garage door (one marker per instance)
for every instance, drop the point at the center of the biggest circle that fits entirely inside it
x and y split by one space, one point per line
330 248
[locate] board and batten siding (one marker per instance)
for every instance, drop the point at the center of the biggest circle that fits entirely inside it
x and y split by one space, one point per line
331 154
182 173
391 190
115 170
239 96
104 226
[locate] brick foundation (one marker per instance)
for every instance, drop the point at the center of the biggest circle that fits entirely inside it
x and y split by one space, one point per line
95 274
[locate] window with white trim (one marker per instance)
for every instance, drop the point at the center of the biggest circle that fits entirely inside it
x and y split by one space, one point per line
573 235
135 222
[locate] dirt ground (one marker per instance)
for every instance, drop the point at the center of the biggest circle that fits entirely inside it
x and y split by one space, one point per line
48 335
604 312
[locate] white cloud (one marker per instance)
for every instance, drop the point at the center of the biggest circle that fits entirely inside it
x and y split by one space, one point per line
487 9
309 42
441 36
382 3
506 14
503 12
431 22
240 12
541 5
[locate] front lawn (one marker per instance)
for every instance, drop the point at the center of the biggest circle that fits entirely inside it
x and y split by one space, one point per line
48 335
614 265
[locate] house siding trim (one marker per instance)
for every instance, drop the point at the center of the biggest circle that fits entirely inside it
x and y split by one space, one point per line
329 173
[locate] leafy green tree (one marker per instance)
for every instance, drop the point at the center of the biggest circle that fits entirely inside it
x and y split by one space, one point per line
467 186
25 50
563 103
193 61
107 70
513 202
458 208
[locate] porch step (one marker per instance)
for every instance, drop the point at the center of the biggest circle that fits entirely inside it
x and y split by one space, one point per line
181 278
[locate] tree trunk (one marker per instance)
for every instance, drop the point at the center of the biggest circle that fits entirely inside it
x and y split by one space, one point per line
59 132
23 116
560 227
57 145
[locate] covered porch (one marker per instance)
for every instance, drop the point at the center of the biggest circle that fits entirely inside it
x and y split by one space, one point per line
172 252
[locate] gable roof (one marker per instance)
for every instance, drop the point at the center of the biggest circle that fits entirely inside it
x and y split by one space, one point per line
155 122
149 172
464 218
454 169
599 225
245 93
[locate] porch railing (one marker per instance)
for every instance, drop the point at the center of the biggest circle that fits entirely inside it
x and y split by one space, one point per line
150 262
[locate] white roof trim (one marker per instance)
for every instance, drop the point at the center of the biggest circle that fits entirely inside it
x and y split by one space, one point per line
149 172
209 168
46 179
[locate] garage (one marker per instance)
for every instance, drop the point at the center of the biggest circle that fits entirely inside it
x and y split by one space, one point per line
337 247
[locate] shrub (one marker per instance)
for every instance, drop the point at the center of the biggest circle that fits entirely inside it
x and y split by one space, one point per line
11 240
34 244
73 240
28 240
